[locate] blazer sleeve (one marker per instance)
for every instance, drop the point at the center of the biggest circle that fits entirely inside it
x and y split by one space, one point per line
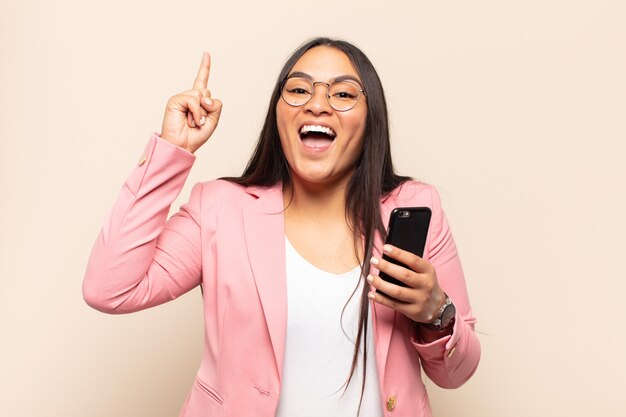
452 360
139 260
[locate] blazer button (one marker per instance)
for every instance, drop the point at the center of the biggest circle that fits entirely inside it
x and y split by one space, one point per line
451 351
391 403
142 160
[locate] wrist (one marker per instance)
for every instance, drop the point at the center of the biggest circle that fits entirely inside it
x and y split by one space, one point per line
443 319
425 335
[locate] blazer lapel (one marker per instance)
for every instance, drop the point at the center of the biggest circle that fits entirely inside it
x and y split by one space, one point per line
264 229
383 317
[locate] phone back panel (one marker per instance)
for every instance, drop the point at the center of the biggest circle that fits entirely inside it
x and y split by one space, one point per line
408 230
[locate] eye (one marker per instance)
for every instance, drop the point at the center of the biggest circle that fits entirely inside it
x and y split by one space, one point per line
344 94
344 91
298 86
298 90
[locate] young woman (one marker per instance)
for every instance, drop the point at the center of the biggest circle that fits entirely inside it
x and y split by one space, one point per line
288 254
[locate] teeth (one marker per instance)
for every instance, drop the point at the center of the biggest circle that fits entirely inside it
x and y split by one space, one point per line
319 129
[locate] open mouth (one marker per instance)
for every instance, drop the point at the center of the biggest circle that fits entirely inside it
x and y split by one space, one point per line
317 137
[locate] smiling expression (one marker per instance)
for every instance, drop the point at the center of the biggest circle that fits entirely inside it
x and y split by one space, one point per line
320 143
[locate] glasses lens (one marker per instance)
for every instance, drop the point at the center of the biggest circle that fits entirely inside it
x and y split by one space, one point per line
343 95
297 91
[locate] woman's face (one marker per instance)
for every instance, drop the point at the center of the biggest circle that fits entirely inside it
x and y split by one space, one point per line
318 155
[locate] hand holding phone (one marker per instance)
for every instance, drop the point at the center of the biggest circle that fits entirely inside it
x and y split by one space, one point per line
408 230
426 304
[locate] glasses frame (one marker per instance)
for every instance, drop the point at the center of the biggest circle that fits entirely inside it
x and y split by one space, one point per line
313 83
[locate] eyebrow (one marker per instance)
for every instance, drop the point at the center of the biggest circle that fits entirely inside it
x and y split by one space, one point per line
346 77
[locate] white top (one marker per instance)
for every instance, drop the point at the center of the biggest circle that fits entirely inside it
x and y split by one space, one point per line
318 354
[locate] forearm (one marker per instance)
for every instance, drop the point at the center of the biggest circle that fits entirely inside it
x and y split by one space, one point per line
122 259
449 360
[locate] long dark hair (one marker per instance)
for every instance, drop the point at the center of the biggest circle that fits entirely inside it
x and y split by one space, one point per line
374 176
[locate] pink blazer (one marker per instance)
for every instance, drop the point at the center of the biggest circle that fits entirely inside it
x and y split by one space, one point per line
230 240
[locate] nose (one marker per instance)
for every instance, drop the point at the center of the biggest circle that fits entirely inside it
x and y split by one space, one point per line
318 103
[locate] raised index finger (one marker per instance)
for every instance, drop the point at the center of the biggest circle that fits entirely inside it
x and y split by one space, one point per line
202 78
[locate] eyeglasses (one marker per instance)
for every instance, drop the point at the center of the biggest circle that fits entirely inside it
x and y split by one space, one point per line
341 95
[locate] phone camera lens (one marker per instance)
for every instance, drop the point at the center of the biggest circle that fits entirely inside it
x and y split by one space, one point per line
404 214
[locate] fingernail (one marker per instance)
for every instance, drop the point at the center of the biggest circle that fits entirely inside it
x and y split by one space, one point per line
193 123
370 278
371 295
208 101
202 121
374 261
387 248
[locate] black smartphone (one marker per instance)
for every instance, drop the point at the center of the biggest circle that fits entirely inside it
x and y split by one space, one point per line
408 230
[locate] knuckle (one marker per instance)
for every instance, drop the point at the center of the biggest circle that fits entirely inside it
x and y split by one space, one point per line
394 291
414 264
194 102
171 102
405 275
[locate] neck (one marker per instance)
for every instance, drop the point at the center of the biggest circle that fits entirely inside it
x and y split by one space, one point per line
316 201
316 224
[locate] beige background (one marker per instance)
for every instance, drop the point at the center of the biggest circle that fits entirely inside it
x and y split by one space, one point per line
515 110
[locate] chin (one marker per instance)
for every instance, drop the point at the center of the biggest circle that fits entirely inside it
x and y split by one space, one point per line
321 176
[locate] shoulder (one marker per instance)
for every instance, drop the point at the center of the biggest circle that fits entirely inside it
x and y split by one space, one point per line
413 193
220 192
222 188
